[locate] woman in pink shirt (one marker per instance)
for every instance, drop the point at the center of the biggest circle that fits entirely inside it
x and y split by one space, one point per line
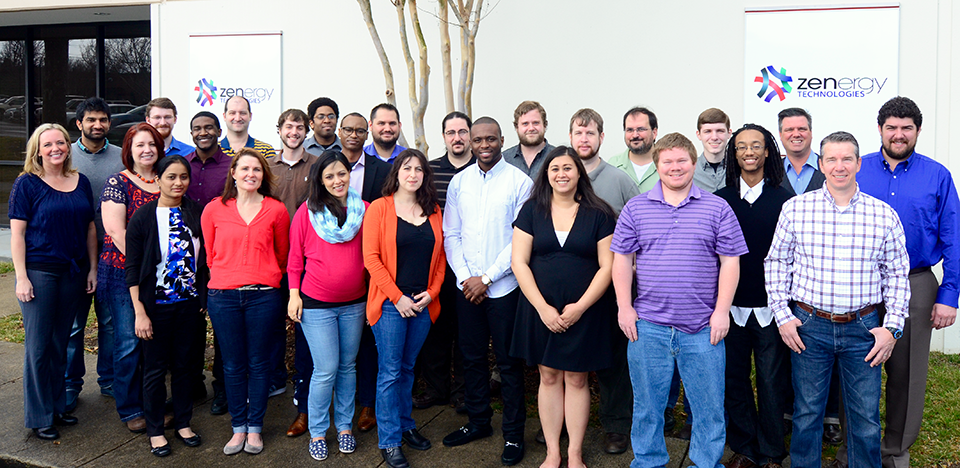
329 301
246 235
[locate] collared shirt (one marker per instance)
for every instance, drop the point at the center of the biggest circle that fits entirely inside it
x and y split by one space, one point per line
98 167
293 180
838 259
371 149
612 185
262 147
677 254
207 178
646 181
356 174
922 193
178 148
748 193
799 182
708 177
443 172
478 223
742 314
514 155
312 145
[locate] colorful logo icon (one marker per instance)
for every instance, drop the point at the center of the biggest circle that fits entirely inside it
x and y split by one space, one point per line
769 84
206 92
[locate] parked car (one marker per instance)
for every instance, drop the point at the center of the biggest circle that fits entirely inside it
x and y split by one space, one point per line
120 123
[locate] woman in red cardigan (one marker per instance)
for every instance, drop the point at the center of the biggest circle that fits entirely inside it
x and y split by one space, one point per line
403 251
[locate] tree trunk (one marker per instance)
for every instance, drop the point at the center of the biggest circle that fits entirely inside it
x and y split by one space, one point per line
445 56
419 100
390 91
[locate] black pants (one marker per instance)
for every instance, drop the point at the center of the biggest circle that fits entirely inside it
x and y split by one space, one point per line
442 349
616 391
492 318
367 369
756 429
172 348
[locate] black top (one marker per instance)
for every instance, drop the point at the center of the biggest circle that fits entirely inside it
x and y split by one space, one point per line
414 251
375 173
311 303
758 223
816 181
443 172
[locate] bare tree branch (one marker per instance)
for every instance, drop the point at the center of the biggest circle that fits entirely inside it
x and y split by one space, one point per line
445 55
390 91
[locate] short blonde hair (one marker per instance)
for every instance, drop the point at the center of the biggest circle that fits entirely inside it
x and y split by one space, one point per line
33 163
671 141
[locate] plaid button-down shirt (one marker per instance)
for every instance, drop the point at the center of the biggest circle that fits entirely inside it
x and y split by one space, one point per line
838 259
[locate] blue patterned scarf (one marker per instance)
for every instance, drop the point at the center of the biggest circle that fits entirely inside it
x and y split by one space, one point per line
327 227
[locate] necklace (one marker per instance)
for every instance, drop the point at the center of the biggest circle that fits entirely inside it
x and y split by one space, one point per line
145 180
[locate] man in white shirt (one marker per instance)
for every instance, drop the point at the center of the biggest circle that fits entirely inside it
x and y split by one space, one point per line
482 202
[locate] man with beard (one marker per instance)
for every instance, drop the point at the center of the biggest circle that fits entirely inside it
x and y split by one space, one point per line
440 350
616 188
922 193
800 163
385 130
323 114
530 122
162 114
209 166
482 202
639 133
237 114
97 159
713 131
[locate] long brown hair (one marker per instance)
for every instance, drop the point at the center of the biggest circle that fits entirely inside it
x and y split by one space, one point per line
542 194
426 195
266 185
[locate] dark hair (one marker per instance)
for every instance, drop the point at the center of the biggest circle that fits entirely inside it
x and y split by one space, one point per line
356 114
773 171
295 115
319 197
641 110
793 112
427 193
213 116
126 152
387 106
189 219
841 137
542 193
320 102
455 115
713 116
488 121
93 104
266 185
899 107
225 103
165 163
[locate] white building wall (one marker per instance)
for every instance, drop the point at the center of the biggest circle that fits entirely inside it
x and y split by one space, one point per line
677 58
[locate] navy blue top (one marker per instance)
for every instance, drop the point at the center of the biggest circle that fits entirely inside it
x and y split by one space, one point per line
57 222
921 191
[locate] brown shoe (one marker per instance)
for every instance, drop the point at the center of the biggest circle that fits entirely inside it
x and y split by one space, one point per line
367 419
137 425
168 421
615 443
299 426
739 461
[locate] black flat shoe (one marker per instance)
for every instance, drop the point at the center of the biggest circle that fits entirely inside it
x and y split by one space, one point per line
65 420
512 453
47 433
162 450
189 441
466 434
416 441
394 458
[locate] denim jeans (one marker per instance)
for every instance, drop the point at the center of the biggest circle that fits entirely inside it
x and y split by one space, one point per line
128 373
398 342
75 365
333 338
675 394
247 322
847 343
651 359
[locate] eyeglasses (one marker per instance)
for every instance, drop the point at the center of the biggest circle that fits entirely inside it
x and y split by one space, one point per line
756 148
325 117
462 132
358 131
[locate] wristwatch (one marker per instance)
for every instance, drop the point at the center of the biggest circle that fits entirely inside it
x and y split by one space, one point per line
485 280
896 332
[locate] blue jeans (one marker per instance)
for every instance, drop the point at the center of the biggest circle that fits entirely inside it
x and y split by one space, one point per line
398 344
651 359
675 394
75 365
847 343
128 373
333 338
247 322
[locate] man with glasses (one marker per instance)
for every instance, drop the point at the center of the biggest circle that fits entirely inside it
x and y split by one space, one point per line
162 114
639 133
323 113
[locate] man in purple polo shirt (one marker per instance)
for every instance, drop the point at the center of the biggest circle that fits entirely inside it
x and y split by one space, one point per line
686 245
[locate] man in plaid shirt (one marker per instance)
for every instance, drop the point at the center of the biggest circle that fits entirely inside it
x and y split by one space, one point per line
838 259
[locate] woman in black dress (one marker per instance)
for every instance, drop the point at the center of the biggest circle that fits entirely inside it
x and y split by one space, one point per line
562 260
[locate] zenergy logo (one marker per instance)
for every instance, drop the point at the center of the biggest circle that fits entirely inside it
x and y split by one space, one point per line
775 90
829 87
206 92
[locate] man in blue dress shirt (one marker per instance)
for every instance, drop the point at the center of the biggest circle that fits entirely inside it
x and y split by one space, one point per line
921 191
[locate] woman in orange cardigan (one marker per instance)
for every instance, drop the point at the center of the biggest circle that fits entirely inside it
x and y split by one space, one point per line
403 251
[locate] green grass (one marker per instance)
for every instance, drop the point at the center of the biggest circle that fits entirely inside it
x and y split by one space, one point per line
6 267
11 328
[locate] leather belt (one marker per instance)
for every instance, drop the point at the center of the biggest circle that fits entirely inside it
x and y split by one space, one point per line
836 318
255 287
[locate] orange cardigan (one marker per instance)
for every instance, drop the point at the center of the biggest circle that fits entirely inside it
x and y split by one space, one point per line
380 258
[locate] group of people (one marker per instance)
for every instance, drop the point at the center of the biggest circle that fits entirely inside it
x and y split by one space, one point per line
655 266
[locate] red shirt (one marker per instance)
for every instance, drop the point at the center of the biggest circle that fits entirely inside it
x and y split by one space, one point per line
241 254
335 272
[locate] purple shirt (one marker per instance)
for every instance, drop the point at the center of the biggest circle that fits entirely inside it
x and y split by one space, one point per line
208 178
678 249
